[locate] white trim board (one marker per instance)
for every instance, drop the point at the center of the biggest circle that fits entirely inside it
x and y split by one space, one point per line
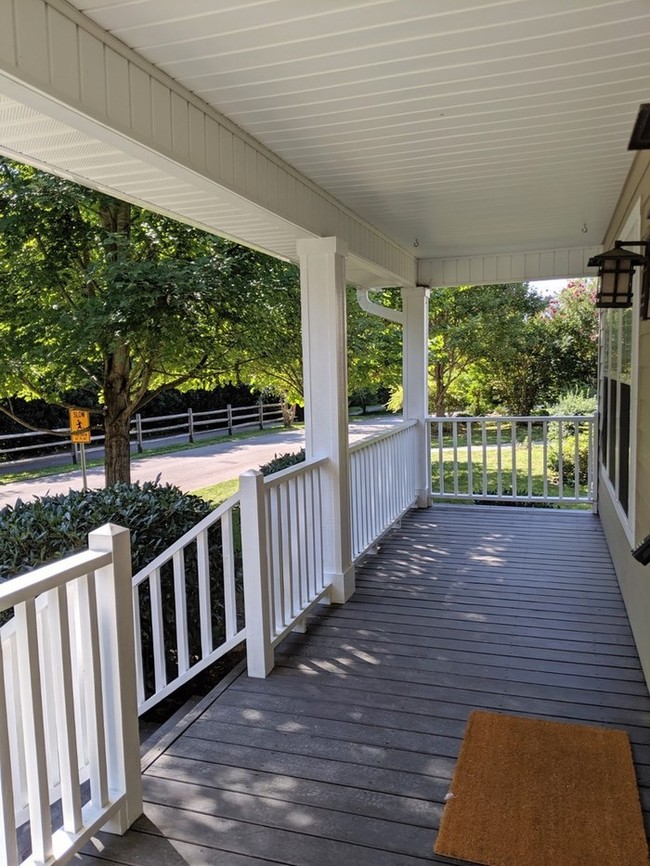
98 112
508 267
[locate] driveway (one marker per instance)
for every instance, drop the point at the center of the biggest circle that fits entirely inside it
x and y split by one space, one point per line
193 468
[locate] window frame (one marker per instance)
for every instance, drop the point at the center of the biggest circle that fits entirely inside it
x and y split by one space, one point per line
611 329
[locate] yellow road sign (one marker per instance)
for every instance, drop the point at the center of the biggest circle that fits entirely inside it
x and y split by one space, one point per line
79 426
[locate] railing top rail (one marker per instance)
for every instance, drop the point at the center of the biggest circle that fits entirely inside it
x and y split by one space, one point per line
47 577
291 471
186 539
398 427
494 418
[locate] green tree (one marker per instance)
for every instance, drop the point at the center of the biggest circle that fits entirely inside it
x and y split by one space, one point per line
472 329
270 341
572 319
522 375
100 296
374 348
552 353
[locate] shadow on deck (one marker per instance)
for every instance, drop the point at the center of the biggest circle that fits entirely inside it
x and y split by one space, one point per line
345 753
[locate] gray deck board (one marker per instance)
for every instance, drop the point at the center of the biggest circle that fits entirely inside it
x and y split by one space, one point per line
345 753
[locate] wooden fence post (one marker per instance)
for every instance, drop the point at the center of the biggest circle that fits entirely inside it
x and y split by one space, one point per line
190 425
259 652
138 432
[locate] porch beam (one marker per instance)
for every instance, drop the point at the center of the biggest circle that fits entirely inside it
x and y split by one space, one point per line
77 102
508 267
415 366
323 299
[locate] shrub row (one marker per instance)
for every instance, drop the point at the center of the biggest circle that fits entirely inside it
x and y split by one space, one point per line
51 527
282 461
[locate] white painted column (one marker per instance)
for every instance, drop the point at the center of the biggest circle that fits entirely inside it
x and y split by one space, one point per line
322 281
415 368
259 651
115 614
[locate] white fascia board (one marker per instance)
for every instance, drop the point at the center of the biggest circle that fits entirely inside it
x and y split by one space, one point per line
66 68
514 267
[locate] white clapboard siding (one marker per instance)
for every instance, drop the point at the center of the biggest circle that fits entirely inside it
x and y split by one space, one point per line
518 267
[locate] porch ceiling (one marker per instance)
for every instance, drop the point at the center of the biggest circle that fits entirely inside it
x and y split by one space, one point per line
475 126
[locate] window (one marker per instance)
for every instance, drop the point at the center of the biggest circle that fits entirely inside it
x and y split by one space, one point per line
619 337
616 402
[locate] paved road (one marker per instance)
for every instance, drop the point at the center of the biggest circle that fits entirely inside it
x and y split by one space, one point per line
189 469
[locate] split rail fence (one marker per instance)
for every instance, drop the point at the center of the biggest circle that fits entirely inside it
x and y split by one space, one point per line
21 446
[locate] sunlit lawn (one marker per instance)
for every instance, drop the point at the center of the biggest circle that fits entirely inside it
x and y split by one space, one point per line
485 477
215 494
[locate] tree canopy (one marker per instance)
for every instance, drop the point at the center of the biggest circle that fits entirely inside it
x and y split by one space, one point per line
472 328
103 297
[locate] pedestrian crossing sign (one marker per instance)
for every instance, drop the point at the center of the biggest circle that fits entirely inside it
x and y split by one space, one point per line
79 426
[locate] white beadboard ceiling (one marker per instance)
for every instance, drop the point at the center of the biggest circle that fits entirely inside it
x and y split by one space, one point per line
473 126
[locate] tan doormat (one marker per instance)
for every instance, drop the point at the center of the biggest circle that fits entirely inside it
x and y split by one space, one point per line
528 792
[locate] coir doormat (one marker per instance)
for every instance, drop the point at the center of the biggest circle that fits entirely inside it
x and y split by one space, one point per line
529 792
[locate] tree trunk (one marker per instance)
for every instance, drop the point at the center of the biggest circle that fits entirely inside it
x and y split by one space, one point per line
117 420
440 390
116 216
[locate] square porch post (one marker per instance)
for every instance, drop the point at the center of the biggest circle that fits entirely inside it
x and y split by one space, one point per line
415 375
323 301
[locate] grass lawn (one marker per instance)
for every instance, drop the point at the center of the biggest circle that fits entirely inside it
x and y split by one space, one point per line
485 477
215 494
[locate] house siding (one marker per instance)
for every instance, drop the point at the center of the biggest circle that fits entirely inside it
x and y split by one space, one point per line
634 579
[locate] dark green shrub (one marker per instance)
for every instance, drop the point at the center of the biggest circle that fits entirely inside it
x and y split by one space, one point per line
48 528
574 403
282 461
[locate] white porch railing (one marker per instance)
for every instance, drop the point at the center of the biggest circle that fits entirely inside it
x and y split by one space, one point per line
382 483
526 459
67 702
188 605
283 555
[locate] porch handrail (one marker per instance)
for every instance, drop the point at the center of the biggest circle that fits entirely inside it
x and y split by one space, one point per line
165 657
383 485
525 458
284 578
67 701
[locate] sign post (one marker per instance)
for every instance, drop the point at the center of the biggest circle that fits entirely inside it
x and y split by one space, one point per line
80 434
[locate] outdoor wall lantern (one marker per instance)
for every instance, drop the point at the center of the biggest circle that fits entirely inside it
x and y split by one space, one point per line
642 552
616 269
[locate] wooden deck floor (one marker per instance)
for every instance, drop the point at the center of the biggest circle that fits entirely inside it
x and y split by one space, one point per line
345 753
